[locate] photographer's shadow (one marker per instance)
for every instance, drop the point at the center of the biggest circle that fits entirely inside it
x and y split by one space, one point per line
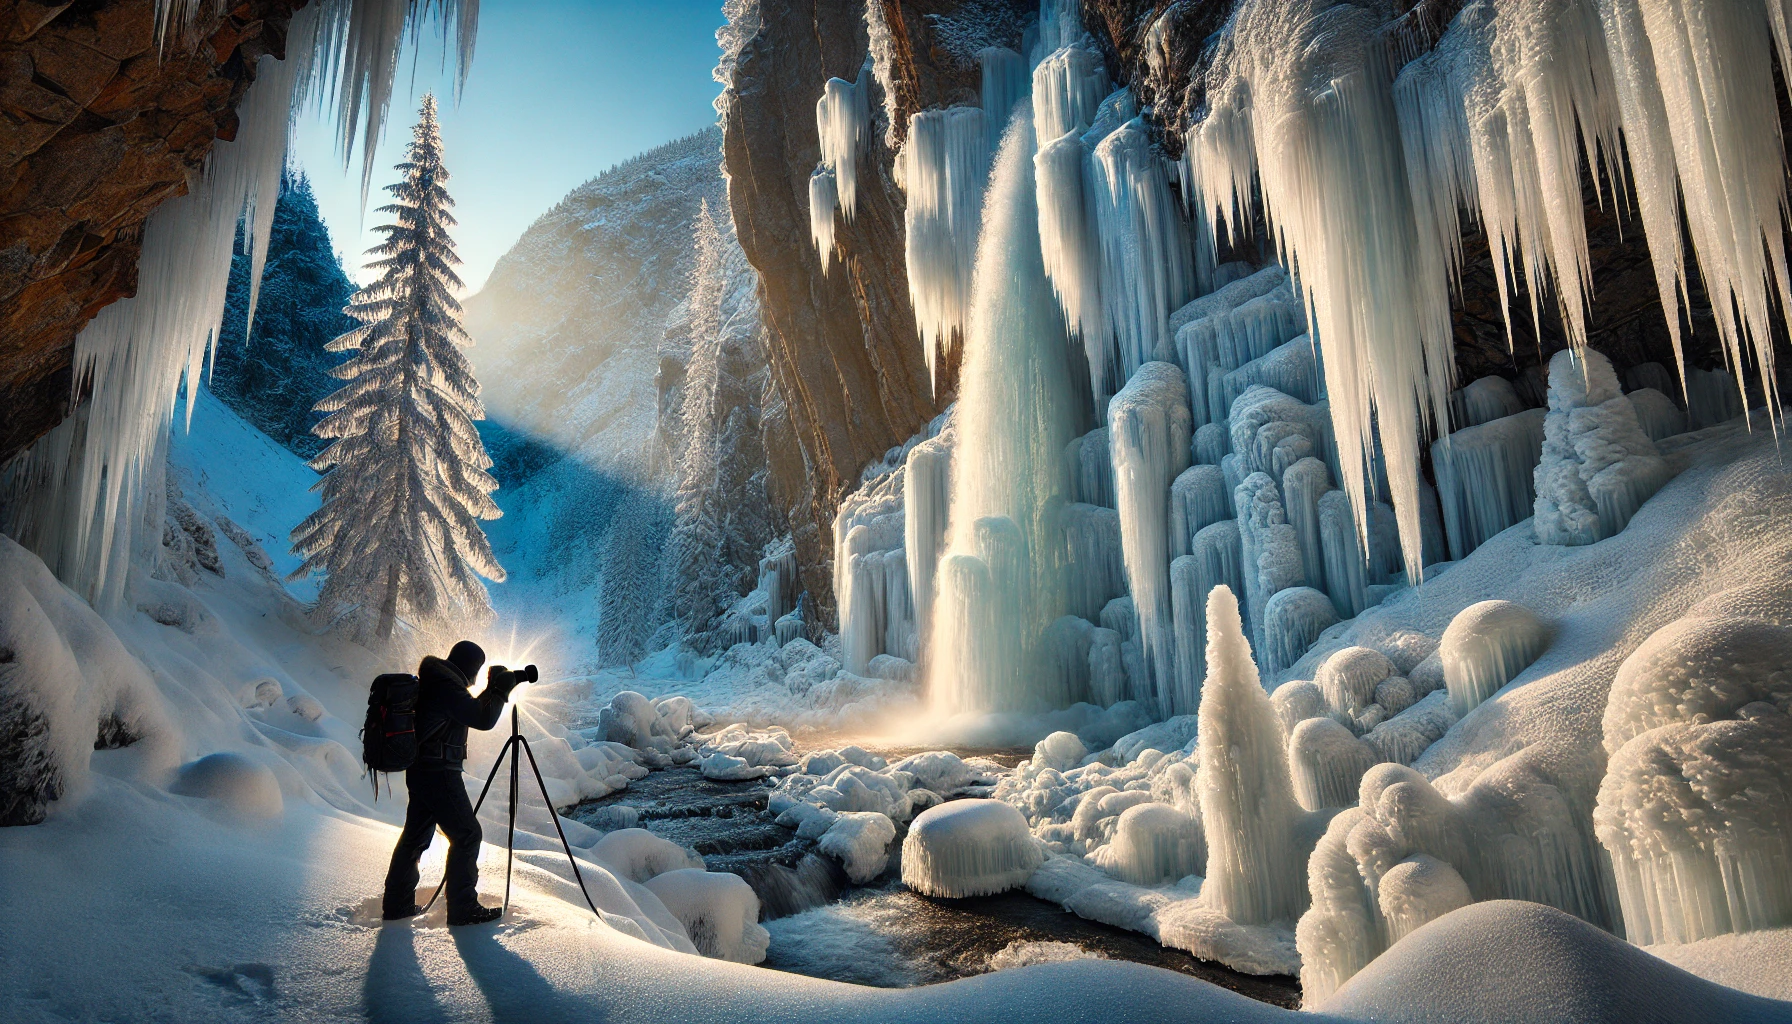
396 990
512 987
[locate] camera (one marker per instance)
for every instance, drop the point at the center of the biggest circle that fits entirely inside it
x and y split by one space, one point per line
528 674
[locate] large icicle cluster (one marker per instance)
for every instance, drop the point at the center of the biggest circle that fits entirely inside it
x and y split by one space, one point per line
76 495
1669 104
1148 423
944 166
1695 807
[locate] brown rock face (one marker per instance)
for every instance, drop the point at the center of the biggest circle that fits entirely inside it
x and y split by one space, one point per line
96 130
842 346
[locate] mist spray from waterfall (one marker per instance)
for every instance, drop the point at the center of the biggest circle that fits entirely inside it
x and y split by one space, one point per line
1002 580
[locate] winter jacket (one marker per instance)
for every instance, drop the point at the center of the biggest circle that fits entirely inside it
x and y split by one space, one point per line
445 711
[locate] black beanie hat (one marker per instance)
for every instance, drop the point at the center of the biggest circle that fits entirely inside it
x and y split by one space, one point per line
467 656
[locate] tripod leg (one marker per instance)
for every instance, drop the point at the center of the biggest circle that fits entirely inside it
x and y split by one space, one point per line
564 845
489 779
516 737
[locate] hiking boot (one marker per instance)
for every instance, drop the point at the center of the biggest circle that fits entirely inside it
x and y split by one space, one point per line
477 915
392 914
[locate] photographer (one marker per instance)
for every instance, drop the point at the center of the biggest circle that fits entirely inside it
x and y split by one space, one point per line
445 711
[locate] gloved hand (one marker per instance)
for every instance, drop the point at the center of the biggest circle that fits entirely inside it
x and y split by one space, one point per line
499 679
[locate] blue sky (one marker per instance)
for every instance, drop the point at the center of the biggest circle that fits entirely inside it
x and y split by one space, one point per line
559 91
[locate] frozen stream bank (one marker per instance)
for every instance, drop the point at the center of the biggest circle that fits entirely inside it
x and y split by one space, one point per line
879 934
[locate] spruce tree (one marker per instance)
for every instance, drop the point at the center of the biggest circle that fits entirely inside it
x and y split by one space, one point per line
405 484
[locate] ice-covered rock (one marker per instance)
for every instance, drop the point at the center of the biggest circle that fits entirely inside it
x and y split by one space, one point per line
1022 953
969 848
1418 890
719 911
861 841
1061 750
1485 646
1153 843
1327 762
1349 677
1292 621
1698 670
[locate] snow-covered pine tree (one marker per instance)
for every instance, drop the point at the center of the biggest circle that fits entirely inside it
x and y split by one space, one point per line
405 484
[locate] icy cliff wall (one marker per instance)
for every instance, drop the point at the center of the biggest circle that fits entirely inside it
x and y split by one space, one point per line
843 346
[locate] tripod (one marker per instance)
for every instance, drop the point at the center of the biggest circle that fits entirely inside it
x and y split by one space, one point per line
518 741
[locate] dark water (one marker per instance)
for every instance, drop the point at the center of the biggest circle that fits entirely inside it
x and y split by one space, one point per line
881 934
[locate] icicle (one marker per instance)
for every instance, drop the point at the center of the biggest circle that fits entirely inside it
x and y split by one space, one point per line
1071 244
1290 368
1068 641
1300 102
1327 762
1068 87
1213 442
843 124
1255 867
1060 23
1107 669
1198 499
824 201
1150 436
1015 412
945 163
1656 414
1485 477
1711 398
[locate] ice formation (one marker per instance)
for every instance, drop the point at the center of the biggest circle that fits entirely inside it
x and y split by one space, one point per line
1656 413
1247 801
1096 571
1148 423
927 495
1597 466
1271 550
843 125
1002 581
1484 400
719 911
860 840
1327 762
1486 477
968 848
1199 498
944 165
1417 891
1293 618
1153 843
1148 266
824 202
1485 646
1005 82
1698 669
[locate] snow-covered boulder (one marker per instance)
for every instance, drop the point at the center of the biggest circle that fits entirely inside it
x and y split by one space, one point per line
1153 843
1061 750
1418 890
1485 646
969 848
244 786
1698 670
861 842
719 911
637 855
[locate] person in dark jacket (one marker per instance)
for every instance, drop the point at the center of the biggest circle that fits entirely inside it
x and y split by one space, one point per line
445 711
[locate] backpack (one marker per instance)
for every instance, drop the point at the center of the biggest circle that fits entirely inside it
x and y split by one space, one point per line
389 736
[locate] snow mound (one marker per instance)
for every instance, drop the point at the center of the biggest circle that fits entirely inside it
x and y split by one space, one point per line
1061 750
246 787
637 855
719 911
969 848
1698 670
1487 645
861 840
1506 960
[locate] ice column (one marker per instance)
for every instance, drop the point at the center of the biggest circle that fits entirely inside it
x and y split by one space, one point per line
1067 88
944 165
1346 570
1015 412
1097 571
1150 435
1198 499
1215 560
927 491
1292 619
1255 870
1597 466
1271 549
1485 477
